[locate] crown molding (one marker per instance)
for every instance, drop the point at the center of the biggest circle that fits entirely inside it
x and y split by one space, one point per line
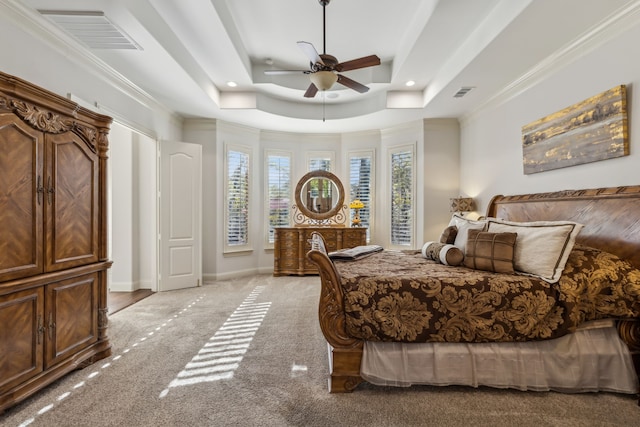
38 26
610 28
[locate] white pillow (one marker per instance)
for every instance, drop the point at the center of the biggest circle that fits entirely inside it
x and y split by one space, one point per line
542 247
464 225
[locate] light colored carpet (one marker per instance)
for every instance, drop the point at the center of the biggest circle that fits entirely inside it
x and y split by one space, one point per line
249 352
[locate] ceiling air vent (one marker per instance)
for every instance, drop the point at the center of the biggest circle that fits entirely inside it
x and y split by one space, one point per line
93 29
462 91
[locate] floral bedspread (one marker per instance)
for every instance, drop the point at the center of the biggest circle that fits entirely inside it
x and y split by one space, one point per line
403 297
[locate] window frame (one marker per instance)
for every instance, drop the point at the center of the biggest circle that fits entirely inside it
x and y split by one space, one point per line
247 245
267 200
323 155
411 149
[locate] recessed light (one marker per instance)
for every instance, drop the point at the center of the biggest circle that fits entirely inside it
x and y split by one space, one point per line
232 84
410 83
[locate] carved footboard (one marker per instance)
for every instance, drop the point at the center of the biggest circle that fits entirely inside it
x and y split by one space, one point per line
629 331
345 352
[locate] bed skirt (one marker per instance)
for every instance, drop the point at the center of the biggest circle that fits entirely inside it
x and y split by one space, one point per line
591 359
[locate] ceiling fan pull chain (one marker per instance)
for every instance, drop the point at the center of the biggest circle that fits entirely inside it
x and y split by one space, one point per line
323 98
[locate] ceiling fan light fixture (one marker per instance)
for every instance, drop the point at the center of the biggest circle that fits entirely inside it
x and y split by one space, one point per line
323 80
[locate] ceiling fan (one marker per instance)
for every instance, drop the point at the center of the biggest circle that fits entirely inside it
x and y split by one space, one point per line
324 69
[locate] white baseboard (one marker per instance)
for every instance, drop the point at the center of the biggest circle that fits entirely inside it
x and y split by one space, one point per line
213 277
131 286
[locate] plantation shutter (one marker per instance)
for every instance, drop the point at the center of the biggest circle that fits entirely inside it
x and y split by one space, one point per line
237 199
402 198
278 192
318 163
360 181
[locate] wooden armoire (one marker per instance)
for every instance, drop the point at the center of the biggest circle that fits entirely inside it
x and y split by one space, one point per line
53 238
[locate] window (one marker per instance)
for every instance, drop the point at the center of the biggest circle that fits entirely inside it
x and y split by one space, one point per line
278 192
402 166
320 161
361 186
236 198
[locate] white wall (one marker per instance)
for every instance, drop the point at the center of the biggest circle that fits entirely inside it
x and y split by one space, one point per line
203 132
133 226
146 230
441 174
121 248
491 144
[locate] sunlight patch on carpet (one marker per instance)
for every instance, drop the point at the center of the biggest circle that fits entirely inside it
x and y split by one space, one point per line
219 358
80 385
298 370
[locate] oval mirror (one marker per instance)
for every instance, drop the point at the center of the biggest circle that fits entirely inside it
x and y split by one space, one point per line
319 195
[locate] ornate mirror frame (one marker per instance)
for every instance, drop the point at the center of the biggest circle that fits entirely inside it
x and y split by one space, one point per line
318 217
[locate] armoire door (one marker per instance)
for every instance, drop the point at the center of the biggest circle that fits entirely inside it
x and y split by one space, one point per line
21 336
21 199
71 317
71 202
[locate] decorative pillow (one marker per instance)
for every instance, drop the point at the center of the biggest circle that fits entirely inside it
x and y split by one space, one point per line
442 253
490 251
464 225
448 236
543 246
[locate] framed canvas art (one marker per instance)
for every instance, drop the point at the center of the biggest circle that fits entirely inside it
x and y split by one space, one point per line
589 131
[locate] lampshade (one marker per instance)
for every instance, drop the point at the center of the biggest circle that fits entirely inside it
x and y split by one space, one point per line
461 204
323 79
356 204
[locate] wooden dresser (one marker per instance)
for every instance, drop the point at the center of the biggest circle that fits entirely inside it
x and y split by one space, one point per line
53 235
292 244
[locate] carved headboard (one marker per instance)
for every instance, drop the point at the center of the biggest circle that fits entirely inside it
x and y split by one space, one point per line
611 216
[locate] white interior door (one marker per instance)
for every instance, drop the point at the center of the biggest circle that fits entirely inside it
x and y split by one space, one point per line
180 215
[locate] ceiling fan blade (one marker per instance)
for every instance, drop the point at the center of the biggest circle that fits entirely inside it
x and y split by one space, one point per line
279 72
311 91
352 84
354 64
311 52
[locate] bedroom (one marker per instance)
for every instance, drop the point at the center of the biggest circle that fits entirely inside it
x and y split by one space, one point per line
595 61
485 158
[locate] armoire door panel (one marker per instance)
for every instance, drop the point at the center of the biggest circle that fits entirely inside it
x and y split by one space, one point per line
71 206
21 344
71 317
20 201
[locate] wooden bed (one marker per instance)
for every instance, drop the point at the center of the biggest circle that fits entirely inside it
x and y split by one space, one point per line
611 218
